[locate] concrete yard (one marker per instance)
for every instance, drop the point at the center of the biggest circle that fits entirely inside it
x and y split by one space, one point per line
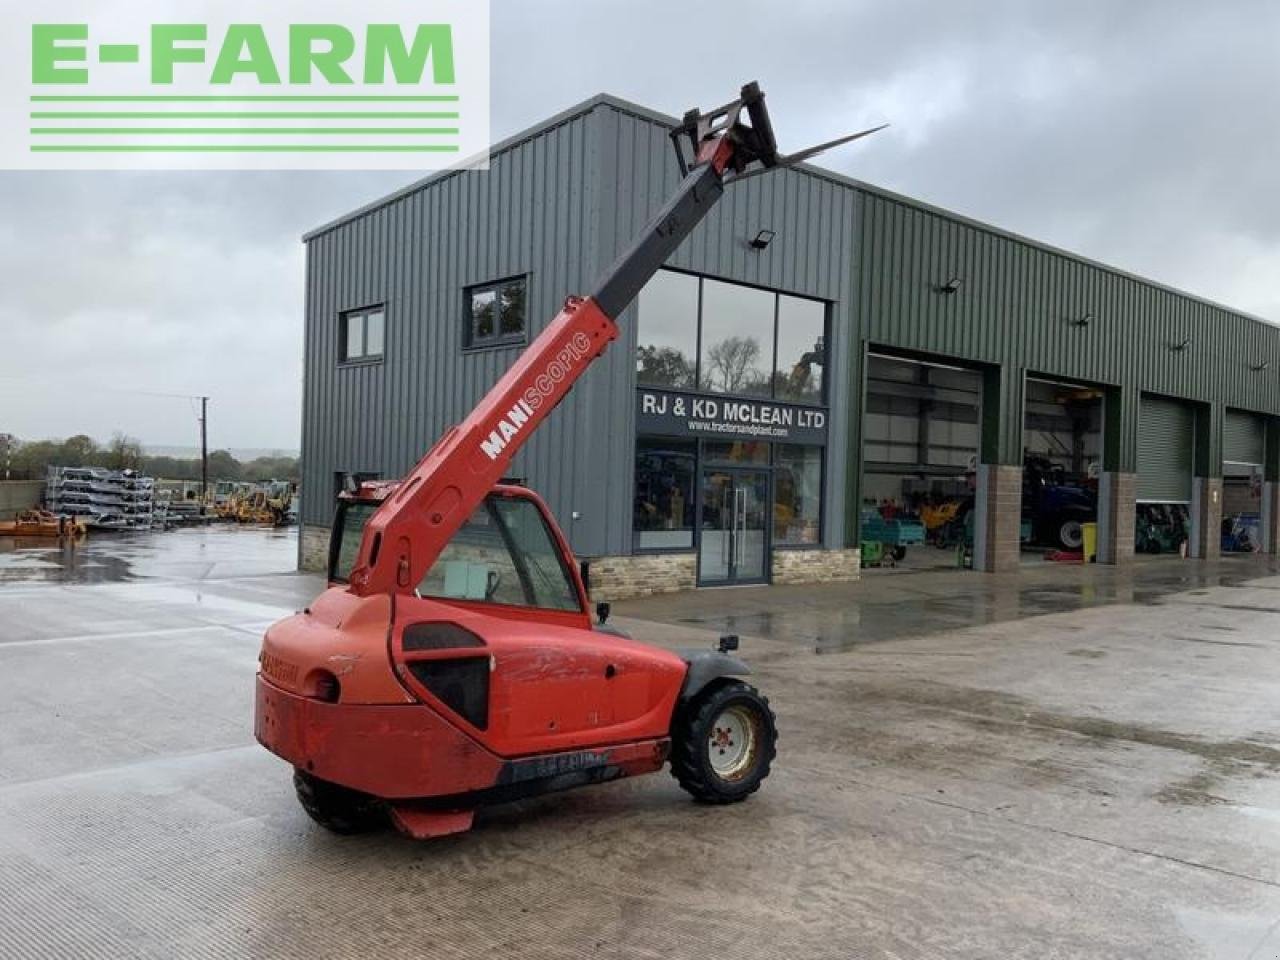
1065 762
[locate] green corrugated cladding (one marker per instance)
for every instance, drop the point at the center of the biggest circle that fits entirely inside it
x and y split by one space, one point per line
1243 437
1167 437
1017 312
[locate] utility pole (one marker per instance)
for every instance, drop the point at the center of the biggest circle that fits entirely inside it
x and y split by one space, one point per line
204 454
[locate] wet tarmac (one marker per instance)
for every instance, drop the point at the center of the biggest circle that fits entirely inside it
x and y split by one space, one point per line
1077 763
184 553
888 604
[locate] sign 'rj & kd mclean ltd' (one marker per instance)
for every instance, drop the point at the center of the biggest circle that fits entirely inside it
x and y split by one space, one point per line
676 414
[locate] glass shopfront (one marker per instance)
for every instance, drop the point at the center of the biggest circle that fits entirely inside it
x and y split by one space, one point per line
731 424
732 501
665 504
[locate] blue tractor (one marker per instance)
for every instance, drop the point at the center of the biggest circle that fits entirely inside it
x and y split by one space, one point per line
1056 504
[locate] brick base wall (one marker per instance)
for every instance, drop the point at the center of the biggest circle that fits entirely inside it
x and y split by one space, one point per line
314 553
1271 517
816 566
1117 514
1206 518
620 578
998 544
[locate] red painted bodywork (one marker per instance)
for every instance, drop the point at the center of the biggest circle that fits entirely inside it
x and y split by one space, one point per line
555 686
566 704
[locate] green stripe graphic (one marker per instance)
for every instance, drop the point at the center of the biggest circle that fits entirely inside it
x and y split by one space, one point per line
224 115
241 99
360 107
166 131
245 148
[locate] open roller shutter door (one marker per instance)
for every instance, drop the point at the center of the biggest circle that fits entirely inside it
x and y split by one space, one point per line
1242 438
1166 448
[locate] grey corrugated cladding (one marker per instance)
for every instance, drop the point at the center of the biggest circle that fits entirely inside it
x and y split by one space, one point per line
560 201
533 213
558 205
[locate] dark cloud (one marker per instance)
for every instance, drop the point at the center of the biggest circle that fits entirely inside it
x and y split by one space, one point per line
1139 133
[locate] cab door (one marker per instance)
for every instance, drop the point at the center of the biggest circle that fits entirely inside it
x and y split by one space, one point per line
499 639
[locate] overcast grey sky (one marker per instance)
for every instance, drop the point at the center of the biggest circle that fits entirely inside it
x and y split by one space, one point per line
1143 134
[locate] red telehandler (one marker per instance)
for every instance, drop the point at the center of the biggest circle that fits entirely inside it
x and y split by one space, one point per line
453 662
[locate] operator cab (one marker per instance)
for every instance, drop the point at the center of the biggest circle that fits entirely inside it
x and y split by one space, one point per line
507 557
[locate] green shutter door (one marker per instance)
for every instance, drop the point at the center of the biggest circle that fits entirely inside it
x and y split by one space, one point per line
1166 448
1242 438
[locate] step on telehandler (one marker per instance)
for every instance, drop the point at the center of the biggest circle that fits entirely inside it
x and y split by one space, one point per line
453 662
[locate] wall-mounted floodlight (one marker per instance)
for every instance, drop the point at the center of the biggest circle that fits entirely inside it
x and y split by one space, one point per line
951 286
763 239
1260 366
1084 321
1183 344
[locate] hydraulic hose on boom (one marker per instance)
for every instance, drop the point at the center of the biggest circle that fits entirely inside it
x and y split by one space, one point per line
408 531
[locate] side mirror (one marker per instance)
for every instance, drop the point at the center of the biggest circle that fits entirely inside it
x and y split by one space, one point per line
602 611
729 643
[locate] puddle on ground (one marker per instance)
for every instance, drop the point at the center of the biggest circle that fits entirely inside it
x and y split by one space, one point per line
888 608
123 556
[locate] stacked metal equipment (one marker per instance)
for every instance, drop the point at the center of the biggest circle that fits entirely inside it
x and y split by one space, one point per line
113 499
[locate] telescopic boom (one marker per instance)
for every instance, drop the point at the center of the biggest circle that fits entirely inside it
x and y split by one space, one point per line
413 525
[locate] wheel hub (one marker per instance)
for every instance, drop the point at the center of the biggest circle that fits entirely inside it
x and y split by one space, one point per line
731 743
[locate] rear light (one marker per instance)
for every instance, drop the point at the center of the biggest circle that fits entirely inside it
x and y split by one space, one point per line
322 685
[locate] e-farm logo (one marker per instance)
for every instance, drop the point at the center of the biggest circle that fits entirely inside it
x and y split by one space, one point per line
129 84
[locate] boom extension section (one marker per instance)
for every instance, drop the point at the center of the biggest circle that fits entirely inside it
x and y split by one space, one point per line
408 531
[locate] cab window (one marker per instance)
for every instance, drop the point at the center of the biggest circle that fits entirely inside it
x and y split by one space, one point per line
503 554
348 530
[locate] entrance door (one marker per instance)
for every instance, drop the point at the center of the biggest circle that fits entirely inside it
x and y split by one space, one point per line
735 526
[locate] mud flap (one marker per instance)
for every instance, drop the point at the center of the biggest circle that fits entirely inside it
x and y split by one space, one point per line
423 824
705 666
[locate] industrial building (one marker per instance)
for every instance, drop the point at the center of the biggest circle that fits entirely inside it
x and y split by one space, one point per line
821 357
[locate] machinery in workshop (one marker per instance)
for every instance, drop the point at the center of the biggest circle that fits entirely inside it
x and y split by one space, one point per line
1242 533
1055 504
1059 472
453 661
890 533
1160 527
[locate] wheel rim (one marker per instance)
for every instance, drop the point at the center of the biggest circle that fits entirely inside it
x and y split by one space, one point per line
1072 534
732 742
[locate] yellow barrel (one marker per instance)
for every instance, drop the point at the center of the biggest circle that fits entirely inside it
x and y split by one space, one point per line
1090 536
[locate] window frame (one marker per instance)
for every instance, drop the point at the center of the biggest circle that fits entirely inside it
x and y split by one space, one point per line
696 492
820 543
553 538
470 342
823 401
701 461
362 314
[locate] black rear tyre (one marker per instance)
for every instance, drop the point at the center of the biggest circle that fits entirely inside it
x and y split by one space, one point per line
1069 533
723 743
338 808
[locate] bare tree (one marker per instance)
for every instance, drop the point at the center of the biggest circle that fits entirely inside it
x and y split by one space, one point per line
731 364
